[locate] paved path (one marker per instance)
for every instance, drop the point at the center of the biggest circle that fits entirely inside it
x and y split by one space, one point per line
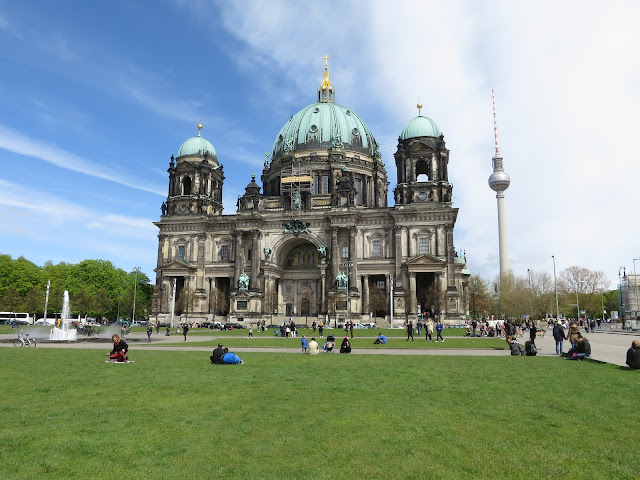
609 347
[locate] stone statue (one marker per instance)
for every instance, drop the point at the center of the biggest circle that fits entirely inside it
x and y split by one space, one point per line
243 282
267 254
164 208
322 249
341 281
296 200
266 159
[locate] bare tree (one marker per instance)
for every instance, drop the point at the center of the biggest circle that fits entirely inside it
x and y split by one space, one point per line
478 295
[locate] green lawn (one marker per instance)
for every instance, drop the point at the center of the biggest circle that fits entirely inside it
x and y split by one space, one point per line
66 414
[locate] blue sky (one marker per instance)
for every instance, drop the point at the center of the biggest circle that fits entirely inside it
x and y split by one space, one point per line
96 96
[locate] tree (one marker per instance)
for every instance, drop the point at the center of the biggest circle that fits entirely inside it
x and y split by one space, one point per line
478 295
34 300
583 285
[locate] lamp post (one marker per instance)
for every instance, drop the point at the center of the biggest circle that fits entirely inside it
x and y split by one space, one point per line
348 264
635 280
135 290
555 283
577 303
620 297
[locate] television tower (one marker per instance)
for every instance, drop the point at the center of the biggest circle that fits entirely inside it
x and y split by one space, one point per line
499 181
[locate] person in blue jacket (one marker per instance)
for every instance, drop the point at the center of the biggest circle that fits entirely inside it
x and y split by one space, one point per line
305 344
439 328
381 339
230 358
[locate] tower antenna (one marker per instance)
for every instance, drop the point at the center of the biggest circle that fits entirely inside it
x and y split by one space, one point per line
495 122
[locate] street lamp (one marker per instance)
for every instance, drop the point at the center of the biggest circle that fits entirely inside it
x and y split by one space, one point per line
620 297
135 285
555 283
635 280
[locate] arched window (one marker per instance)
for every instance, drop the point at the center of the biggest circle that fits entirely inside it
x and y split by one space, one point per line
186 185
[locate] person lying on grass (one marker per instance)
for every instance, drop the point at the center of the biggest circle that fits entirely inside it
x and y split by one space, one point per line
230 358
120 349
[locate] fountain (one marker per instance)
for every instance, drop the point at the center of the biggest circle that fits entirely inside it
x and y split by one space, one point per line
64 332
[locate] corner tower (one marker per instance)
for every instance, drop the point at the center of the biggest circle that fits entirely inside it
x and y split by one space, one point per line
422 161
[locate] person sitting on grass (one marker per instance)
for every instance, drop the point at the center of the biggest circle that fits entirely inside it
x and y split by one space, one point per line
120 349
314 349
380 340
346 345
581 350
633 355
230 358
217 354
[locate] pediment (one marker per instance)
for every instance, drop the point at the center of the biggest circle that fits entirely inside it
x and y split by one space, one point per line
176 265
425 260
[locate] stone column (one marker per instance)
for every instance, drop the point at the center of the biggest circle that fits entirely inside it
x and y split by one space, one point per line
200 262
353 257
412 293
255 260
365 294
451 274
335 254
397 230
323 286
238 267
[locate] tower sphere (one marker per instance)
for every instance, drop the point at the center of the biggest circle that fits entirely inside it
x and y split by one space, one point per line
499 181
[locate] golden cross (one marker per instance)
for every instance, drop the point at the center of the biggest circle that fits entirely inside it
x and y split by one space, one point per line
326 58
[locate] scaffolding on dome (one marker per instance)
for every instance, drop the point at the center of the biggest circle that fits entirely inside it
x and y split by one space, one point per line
294 181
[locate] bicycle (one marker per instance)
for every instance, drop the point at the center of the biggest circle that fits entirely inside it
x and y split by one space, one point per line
24 340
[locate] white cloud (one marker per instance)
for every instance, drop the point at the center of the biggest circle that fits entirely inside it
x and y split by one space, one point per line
568 93
16 142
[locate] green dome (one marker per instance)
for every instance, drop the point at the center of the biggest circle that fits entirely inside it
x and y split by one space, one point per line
197 146
325 125
420 127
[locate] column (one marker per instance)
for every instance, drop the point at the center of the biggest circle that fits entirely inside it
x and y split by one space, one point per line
412 294
255 260
335 255
365 294
238 267
200 263
323 286
398 254
353 257
451 274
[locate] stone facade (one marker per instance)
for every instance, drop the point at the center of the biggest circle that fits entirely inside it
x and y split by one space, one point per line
319 216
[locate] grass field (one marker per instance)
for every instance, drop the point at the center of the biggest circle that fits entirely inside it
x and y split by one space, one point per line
67 414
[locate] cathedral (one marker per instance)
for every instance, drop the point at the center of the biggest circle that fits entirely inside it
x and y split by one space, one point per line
316 237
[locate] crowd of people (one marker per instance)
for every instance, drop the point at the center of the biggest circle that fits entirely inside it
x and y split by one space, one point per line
580 346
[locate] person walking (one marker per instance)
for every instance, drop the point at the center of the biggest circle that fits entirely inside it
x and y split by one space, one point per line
351 328
320 329
439 328
250 330
185 329
149 332
410 331
157 328
168 330
559 336
429 330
